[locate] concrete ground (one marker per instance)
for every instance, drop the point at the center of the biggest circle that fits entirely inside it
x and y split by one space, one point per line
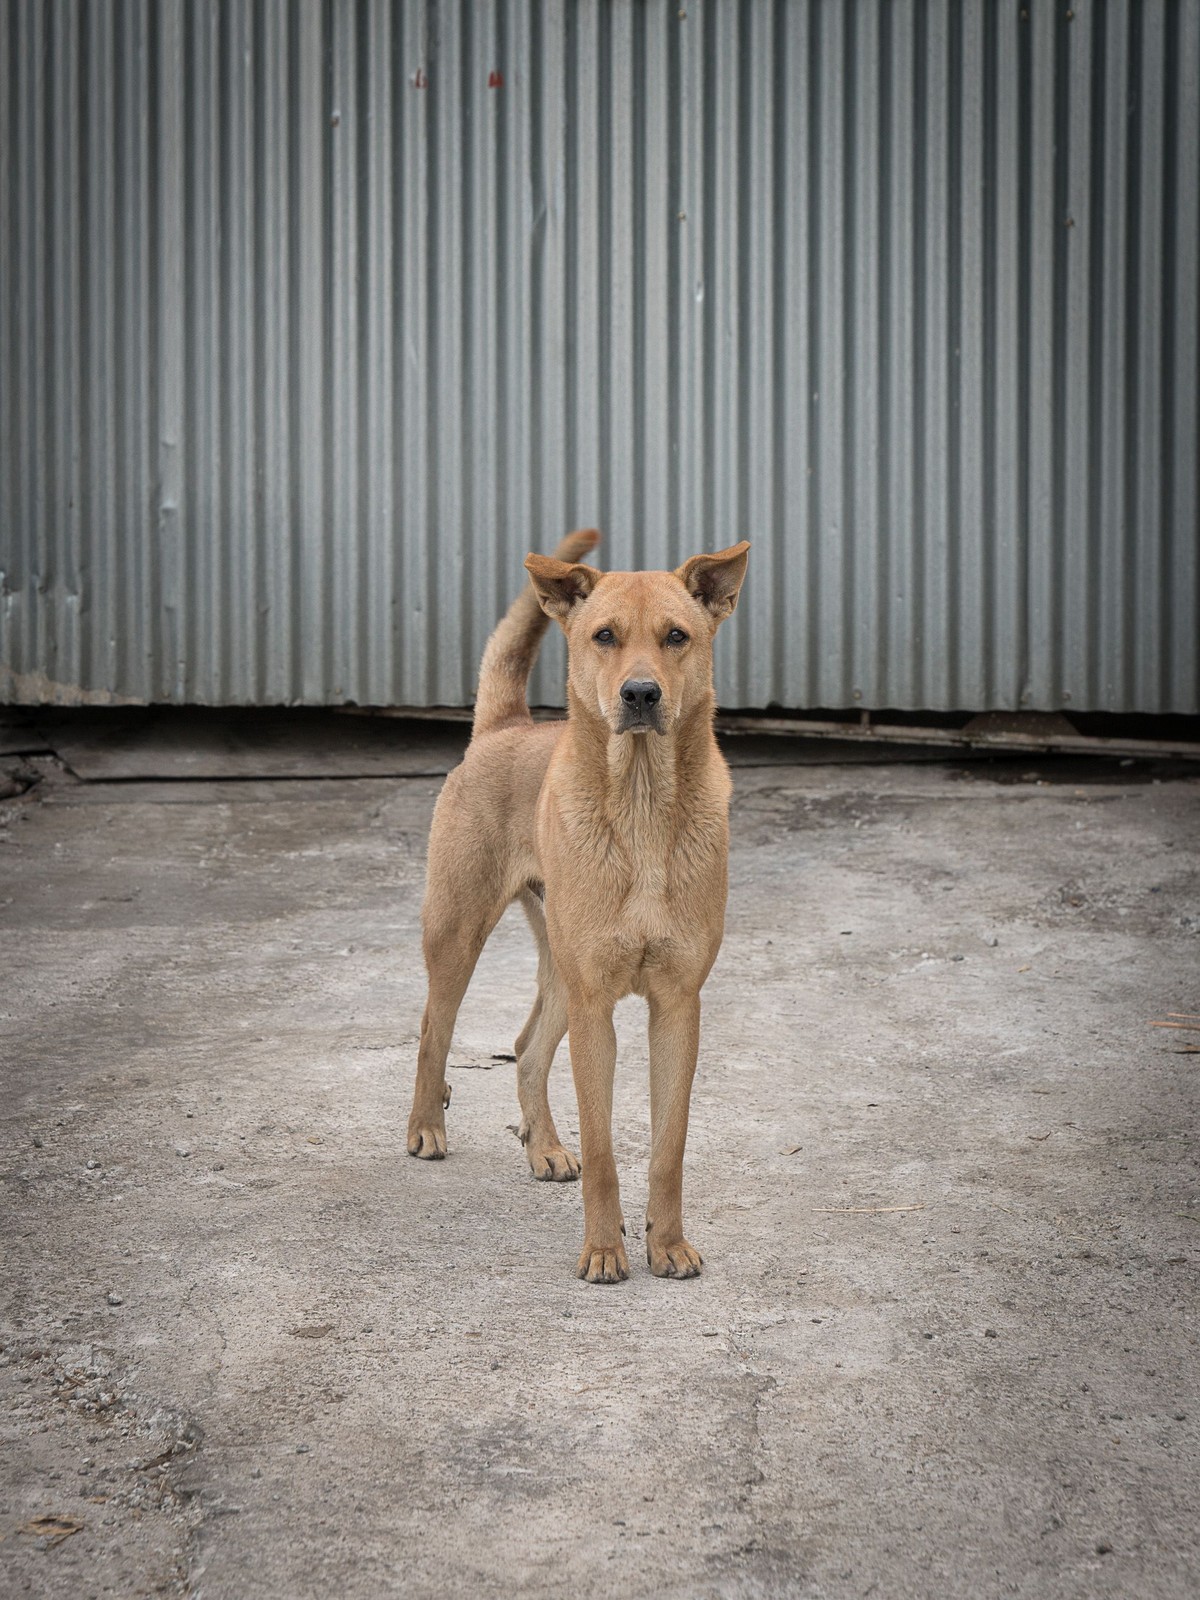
942 1170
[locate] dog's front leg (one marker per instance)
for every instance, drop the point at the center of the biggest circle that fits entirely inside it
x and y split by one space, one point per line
593 1043
674 1043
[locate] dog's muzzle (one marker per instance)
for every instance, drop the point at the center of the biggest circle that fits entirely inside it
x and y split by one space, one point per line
641 707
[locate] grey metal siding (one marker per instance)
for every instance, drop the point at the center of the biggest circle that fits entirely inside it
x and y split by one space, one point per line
310 327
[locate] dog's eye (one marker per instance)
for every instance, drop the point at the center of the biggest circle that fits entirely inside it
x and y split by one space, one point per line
677 636
604 636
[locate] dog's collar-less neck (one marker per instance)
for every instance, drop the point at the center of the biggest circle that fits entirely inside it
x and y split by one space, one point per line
652 770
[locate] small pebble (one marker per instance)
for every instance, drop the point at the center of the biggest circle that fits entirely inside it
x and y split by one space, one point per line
990 1333
303 1449
183 1149
114 1299
708 1333
92 1164
991 940
256 1472
1180 1416
37 1141
1103 1549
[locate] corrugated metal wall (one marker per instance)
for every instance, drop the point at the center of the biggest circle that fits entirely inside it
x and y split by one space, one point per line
317 317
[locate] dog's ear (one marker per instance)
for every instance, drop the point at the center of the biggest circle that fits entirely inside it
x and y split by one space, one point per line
716 580
560 585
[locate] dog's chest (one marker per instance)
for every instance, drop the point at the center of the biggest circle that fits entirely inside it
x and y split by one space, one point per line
634 882
647 915
665 884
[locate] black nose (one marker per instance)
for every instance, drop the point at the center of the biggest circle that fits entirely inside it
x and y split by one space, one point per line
640 693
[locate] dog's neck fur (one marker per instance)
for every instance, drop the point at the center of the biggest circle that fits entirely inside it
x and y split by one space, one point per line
640 782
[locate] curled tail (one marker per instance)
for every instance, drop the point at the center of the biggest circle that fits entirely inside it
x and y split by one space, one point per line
513 647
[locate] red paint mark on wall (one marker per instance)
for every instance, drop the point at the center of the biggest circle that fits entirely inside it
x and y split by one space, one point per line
495 79
419 80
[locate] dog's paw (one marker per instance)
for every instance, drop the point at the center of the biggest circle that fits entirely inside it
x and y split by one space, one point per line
552 1163
677 1260
603 1265
427 1140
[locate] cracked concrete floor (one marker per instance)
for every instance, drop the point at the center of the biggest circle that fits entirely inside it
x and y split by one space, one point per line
251 1349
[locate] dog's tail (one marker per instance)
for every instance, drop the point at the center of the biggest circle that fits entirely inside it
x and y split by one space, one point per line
513 647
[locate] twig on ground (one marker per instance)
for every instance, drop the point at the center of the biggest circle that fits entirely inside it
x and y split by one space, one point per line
53 1530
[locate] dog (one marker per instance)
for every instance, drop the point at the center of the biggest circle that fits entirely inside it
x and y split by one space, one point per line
612 830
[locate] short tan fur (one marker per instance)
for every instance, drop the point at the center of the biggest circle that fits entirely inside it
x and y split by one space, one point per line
612 831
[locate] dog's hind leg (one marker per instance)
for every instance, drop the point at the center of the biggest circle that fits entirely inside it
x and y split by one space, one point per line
541 1036
531 1022
451 951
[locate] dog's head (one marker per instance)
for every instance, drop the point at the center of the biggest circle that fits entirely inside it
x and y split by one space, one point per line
640 643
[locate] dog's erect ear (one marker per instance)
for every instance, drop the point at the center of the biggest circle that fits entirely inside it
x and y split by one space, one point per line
560 585
715 580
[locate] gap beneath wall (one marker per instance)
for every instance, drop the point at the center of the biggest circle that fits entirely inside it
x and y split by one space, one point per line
1095 733
244 745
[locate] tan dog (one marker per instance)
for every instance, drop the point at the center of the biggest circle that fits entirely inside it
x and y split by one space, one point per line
612 830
